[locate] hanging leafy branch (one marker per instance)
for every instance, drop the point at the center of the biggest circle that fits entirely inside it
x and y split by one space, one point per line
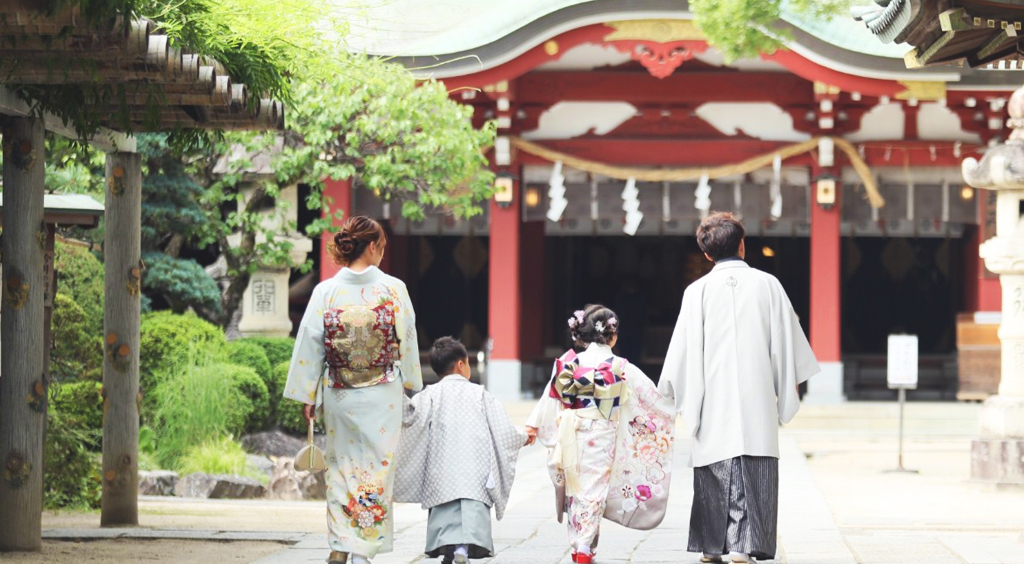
374 125
748 28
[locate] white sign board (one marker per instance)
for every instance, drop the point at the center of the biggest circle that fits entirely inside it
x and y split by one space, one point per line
902 367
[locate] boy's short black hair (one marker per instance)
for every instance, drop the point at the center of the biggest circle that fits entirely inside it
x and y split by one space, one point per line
720 235
444 353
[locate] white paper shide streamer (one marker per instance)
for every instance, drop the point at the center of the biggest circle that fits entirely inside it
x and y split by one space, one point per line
775 190
631 205
702 195
556 193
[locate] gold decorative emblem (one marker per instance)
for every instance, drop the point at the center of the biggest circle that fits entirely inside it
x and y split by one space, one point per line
925 91
659 31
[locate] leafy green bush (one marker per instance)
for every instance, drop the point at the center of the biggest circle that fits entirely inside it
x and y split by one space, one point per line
170 340
188 408
80 276
288 414
81 402
250 355
72 472
278 349
222 455
248 402
77 345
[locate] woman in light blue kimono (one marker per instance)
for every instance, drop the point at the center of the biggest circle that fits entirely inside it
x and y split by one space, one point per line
355 351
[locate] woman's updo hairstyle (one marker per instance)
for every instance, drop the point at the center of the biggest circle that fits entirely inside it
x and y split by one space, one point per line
593 324
355 236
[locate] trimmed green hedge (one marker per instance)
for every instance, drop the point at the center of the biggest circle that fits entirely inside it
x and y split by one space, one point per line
288 415
170 340
81 402
249 355
80 276
72 476
248 402
278 349
77 351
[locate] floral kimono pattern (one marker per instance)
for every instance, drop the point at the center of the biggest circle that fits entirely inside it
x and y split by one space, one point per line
623 460
355 351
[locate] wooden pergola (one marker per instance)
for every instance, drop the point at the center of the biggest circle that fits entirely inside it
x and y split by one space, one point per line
163 87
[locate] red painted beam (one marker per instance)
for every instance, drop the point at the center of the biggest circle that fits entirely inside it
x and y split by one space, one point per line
810 70
531 59
640 88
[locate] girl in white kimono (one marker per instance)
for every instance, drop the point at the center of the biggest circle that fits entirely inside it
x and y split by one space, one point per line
610 435
355 350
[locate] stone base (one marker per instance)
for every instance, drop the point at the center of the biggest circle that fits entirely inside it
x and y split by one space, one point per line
1002 417
998 460
827 386
505 379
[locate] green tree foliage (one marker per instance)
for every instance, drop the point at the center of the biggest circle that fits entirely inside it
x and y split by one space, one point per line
77 351
81 402
170 341
80 276
748 28
372 123
171 218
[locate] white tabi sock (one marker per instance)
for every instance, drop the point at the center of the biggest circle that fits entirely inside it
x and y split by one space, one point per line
584 549
462 550
360 559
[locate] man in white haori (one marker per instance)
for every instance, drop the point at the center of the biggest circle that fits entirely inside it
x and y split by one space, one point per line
736 358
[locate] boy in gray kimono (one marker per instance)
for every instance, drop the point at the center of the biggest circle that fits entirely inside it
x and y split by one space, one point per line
457 457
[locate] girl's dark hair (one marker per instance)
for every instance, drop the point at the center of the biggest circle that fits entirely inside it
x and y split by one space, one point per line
719 235
356 234
593 324
445 352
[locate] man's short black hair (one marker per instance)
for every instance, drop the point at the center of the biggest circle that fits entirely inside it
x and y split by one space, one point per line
720 235
444 353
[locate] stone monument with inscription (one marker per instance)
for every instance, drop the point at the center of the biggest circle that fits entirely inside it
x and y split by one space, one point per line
998 454
265 302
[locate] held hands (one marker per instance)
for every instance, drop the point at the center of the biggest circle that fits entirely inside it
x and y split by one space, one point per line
309 412
531 435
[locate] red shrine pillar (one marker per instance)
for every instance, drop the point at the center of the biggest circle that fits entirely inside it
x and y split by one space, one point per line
504 299
337 196
826 281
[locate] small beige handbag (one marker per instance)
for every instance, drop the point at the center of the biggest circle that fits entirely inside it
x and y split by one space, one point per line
310 458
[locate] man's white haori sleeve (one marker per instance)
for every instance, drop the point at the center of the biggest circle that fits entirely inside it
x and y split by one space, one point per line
307 366
792 359
682 376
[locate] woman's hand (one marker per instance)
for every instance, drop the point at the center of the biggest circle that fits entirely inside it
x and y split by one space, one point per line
309 412
531 435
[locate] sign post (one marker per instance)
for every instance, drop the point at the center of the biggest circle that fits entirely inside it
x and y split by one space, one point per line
902 376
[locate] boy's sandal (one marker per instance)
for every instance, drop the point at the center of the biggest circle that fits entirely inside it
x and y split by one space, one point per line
711 559
337 557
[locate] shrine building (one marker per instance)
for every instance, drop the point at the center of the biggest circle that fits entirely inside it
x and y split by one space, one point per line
618 126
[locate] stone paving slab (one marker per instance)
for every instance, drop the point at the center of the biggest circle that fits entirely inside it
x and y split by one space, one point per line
175 534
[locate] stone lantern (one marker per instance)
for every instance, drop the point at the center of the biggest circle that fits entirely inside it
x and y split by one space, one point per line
998 454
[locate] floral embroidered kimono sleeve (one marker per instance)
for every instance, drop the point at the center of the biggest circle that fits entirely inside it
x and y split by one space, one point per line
405 324
307 367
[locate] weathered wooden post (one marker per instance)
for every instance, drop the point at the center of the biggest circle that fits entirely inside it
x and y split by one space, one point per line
22 385
998 455
123 271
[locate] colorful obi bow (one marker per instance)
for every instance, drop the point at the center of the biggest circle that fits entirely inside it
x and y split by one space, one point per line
579 387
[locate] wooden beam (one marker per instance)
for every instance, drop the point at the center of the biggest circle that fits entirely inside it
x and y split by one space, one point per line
106 139
547 88
23 387
122 280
